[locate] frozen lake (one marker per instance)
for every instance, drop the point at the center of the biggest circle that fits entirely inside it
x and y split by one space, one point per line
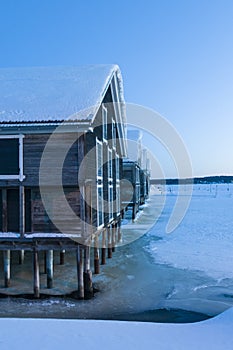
189 269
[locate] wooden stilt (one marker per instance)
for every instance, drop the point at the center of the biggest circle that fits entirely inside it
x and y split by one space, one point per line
103 249
80 272
7 262
62 257
21 257
119 235
109 243
96 256
134 212
88 288
49 268
36 274
113 237
45 262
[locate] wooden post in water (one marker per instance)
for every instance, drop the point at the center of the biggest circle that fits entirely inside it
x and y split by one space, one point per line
45 262
134 212
109 243
113 237
36 275
7 264
79 256
103 249
62 257
96 255
49 269
87 275
119 235
21 257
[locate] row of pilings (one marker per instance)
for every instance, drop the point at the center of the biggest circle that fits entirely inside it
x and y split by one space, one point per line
88 261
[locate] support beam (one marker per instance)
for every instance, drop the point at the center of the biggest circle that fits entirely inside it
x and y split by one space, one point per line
36 275
79 256
113 237
7 267
134 212
109 230
88 288
49 269
119 235
103 249
21 257
96 256
45 262
62 257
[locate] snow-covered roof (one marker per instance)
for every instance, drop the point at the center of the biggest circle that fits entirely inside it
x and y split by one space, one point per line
54 94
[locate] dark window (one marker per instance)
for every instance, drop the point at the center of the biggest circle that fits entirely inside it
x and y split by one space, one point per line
9 156
0 210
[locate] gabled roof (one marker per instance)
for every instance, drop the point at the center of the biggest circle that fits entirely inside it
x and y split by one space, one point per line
54 94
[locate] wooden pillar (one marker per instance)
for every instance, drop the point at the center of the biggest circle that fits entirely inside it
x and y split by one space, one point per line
7 266
21 211
45 262
36 275
62 257
109 242
79 257
113 237
134 212
96 256
87 275
103 249
119 235
49 268
21 257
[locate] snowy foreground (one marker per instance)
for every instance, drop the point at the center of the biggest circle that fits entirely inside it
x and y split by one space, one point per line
215 333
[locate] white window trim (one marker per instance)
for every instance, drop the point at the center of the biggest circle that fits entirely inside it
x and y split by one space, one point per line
113 134
110 184
99 185
105 122
19 177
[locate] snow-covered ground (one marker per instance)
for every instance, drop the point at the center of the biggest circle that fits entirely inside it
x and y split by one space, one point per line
190 269
27 334
204 239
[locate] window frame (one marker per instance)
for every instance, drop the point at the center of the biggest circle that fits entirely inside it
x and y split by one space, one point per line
20 176
105 123
117 169
99 184
110 185
113 134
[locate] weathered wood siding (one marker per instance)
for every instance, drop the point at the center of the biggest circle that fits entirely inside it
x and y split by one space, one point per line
40 219
33 149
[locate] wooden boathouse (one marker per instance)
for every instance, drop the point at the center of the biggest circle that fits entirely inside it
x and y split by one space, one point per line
144 176
136 172
62 144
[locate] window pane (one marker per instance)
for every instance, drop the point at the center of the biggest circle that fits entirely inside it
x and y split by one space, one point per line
9 157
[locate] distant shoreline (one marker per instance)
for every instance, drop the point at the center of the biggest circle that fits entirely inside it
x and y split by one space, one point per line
220 179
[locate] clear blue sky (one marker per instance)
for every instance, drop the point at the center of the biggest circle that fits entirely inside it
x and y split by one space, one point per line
176 57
